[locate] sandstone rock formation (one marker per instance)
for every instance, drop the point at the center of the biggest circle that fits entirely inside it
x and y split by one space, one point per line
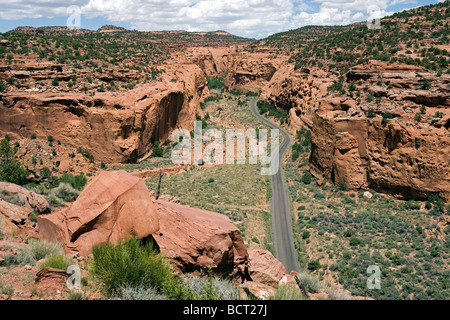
113 128
395 158
113 207
13 213
407 158
250 72
51 282
31 200
265 268
258 290
195 240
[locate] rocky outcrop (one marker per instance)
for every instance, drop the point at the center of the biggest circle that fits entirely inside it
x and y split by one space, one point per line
265 268
12 213
113 128
51 282
113 207
395 158
250 72
407 158
31 200
197 240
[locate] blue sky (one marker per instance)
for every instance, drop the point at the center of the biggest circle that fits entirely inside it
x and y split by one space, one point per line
248 18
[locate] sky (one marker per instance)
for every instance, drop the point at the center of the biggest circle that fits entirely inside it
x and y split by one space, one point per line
247 18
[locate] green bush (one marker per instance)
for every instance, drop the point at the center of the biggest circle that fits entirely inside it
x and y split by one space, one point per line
308 283
76 295
158 152
59 262
216 83
342 186
77 182
313 265
6 289
40 249
3 86
131 264
11 170
288 292
65 192
307 178
35 251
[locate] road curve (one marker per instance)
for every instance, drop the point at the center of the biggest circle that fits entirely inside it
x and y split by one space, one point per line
281 214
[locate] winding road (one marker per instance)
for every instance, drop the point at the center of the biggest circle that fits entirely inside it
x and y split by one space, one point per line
281 214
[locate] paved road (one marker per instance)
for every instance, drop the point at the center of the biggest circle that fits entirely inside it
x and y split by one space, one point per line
281 212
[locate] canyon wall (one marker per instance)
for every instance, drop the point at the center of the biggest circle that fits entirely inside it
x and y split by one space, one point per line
403 156
113 127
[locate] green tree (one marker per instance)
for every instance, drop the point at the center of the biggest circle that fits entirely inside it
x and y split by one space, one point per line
11 170
3 86
307 178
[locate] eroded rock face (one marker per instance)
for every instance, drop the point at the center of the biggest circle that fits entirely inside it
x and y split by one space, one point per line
250 72
396 159
195 240
407 158
113 207
113 128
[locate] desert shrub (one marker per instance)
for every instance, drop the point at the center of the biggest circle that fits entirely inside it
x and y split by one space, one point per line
130 264
40 249
211 288
288 292
319 196
138 293
342 186
307 178
85 153
6 289
11 170
306 234
77 182
59 262
215 83
158 152
313 265
65 192
35 251
76 295
54 201
308 282
371 113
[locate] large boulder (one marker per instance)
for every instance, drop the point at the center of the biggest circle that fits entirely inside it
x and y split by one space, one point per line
113 207
31 200
265 268
197 240
13 213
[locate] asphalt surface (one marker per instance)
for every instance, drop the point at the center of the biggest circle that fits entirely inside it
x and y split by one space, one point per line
281 213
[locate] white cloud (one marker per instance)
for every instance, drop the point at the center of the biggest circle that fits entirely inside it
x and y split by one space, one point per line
256 18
